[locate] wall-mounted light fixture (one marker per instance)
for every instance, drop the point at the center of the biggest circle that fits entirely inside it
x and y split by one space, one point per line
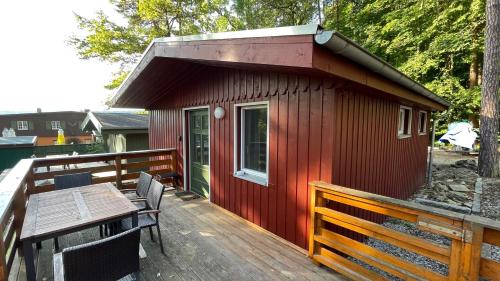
219 112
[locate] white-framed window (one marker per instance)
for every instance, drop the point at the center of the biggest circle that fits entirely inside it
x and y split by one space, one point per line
56 125
422 122
251 142
22 125
404 123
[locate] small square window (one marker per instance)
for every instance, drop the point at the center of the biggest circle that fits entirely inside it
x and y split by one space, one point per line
251 142
422 123
56 125
22 125
404 123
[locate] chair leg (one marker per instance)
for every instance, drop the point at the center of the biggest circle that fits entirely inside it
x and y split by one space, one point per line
151 233
159 238
56 244
101 231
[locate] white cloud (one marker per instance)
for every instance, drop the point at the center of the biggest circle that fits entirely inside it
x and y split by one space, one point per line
38 68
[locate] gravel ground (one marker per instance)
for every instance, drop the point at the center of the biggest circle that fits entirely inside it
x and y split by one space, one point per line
490 199
490 208
408 228
445 171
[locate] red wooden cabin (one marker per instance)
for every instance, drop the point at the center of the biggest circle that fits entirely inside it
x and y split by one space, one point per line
298 104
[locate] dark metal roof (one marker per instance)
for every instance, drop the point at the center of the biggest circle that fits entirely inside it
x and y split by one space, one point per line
40 123
115 121
17 141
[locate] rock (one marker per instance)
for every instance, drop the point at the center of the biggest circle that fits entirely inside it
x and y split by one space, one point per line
457 196
458 187
468 164
449 180
468 204
439 187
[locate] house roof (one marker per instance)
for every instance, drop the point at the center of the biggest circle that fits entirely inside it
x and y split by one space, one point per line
115 121
17 141
39 123
242 48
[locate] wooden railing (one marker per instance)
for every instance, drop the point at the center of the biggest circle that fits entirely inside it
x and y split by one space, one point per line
463 258
36 175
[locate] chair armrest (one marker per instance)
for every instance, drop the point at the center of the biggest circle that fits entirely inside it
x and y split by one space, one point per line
149 212
139 200
127 190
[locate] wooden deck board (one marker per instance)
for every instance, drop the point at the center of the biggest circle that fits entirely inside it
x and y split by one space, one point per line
202 242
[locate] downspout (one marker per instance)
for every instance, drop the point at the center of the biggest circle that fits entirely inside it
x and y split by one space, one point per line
431 152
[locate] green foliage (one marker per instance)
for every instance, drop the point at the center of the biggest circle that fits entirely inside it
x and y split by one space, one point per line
149 19
439 43
433 42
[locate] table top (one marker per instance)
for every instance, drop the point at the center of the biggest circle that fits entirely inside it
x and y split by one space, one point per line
50 213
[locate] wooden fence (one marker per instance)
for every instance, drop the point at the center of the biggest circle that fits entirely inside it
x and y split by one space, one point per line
463 258
31 176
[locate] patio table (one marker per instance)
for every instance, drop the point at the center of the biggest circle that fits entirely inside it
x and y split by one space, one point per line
55 213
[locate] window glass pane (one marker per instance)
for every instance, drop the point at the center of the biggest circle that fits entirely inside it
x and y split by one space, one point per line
407 122
401 121
197 148
205 149
422 122
204 122
255 142
197 122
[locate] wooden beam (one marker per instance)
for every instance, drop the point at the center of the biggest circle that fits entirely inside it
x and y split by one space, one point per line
337 65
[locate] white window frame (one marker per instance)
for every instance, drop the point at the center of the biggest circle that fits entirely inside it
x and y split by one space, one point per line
401 133
242 172
22 126
422 131
57 125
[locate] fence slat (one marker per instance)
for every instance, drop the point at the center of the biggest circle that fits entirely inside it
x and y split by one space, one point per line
402 240
468 234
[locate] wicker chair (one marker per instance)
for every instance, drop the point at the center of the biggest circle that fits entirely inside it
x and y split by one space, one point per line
109 259
136 196
149 218
140 192
70 181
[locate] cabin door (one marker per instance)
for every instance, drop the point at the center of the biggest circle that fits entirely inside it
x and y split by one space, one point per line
199 147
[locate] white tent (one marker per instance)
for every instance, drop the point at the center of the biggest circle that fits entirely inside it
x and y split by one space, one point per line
460 134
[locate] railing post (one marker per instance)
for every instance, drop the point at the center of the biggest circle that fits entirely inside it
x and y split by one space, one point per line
316 223
173 155
118 165
30 182
471 254
4 272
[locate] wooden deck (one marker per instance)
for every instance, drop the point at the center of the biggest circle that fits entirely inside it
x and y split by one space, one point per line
202 242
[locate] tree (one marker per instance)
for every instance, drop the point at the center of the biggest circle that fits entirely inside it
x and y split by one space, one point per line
488 155
149 19
146 20
252 14
437 43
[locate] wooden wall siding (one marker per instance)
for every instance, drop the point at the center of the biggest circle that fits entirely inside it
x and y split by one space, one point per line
305 143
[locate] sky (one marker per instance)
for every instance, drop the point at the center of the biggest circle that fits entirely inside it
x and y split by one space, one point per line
37 67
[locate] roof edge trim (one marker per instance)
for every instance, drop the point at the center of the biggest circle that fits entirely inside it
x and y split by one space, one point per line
343 46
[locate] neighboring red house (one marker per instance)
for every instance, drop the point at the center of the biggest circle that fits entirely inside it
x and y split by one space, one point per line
256 115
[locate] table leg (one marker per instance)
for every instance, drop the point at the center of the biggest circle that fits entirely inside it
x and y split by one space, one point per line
29 260
135 220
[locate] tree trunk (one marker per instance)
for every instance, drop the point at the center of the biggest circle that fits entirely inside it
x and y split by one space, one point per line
488 155
473 70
